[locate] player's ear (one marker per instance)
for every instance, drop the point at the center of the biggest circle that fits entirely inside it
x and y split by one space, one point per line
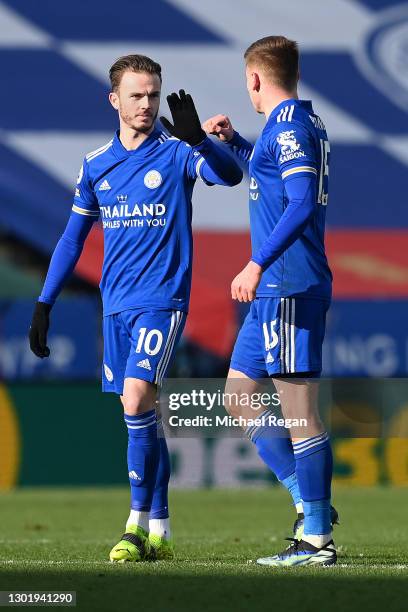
114 99
255 81
252 78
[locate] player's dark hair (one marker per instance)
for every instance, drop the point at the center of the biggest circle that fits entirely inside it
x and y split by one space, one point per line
132 63
278 57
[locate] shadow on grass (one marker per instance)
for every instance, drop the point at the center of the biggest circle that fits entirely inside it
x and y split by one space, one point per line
166 591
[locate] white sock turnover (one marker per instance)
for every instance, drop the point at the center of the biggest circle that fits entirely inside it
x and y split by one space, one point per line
160 527
138 518
317 540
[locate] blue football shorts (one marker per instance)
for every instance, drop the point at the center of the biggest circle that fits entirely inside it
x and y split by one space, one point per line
139 343
281 336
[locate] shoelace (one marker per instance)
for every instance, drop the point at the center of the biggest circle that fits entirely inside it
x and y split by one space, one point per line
293 548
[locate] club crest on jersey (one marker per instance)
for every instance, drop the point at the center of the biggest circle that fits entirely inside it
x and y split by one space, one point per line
290 149
153 179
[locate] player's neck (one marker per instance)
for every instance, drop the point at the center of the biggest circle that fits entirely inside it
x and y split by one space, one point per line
131 139
275 98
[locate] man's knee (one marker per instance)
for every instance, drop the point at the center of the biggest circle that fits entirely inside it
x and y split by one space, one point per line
138 396
136 403
238 393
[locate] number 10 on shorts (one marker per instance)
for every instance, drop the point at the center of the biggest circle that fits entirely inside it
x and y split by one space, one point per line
151 342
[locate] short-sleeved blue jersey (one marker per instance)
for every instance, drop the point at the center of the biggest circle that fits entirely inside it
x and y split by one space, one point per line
293 143
144 200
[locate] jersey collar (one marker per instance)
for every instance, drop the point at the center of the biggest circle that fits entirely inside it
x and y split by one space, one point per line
306 104
144 149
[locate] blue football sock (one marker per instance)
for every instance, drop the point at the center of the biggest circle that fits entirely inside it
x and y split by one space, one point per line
143 458
317 517
160 504
275 449
292 485
314 469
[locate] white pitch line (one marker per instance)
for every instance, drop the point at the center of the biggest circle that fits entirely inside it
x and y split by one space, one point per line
25 541
399 566
39 562
376 566
54 541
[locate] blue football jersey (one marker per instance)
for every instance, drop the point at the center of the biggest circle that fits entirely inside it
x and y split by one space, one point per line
293 143
144 200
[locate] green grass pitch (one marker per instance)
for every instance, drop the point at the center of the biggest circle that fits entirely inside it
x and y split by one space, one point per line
59 539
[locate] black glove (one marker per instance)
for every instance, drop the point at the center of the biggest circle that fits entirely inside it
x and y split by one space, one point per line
39 328
187 125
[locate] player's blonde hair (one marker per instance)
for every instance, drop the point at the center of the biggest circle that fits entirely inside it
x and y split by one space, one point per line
278 57
132 63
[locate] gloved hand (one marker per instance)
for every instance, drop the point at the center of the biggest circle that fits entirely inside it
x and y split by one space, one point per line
39 328
187 125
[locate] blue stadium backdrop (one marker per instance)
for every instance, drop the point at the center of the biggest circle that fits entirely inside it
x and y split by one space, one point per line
54 60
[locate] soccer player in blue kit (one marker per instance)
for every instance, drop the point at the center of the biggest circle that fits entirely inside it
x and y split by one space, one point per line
289 283
141 184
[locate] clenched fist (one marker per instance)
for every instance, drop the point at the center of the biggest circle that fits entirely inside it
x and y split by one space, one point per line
219 126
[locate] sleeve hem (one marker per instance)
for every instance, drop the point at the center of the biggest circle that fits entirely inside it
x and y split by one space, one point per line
234 140
290 172
84 211
258 261
45 300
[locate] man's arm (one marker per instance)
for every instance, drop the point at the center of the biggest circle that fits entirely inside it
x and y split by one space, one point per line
214 166
301 193
300 182
85 211
62 264
65 256
299 176
220 126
